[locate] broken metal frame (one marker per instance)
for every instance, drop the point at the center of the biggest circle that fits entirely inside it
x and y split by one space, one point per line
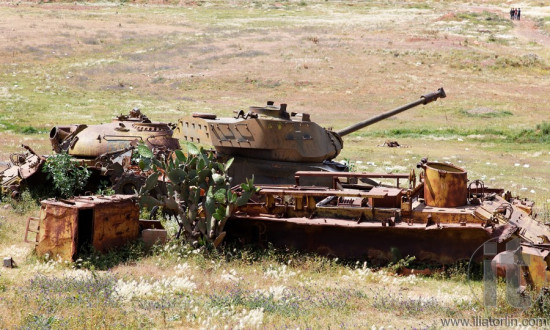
371 221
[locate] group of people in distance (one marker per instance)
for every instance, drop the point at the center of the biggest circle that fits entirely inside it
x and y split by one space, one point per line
515 13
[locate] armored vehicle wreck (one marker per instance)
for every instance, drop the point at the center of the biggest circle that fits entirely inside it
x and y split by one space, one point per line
272 143
106 149
88 142
442 218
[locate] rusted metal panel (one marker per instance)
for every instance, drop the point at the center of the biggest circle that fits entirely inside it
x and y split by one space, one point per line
445 185
335 175
115 224
103 222
538 265
533 262
349 239
58 227
392 197
395 223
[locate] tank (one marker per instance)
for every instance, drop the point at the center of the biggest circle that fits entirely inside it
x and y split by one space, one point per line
273 144
105 148
21 170
92 141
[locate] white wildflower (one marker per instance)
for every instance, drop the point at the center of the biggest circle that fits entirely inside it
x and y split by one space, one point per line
230 276
382 276
181 284
250 319
45 267
126 291
280 273
277 292
78 274
182 268
18 253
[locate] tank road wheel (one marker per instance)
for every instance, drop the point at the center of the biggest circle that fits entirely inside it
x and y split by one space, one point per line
128 184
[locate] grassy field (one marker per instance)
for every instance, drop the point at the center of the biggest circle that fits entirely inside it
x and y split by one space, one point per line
84 62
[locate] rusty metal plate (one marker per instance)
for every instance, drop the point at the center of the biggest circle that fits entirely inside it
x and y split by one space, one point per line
349 239
104 222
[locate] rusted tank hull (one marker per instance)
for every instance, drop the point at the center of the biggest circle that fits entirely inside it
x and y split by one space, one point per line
372 241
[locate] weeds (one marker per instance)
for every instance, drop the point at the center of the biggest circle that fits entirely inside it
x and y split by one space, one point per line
58 302
67 176
396 266
399 303
276 299
540 134
485 19
485 114
541 307
461 271
24 204
106 189
523 61
94 260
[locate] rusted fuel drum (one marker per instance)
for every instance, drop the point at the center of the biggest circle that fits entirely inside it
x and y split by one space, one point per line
445 185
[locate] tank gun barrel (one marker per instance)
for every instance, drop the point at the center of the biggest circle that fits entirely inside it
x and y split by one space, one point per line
424 99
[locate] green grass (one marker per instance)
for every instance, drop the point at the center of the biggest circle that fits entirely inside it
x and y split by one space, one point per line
536 135
339 61
485 18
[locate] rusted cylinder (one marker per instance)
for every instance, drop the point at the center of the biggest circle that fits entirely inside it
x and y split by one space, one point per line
445 185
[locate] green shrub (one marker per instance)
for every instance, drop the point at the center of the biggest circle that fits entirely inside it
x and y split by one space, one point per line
67 176
544 128
94 260
24 204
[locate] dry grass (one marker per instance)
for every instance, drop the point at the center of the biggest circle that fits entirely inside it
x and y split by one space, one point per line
65 62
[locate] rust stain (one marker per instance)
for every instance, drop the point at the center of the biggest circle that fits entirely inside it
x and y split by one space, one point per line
103 222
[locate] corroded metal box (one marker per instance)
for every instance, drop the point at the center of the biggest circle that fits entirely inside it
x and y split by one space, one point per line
104 222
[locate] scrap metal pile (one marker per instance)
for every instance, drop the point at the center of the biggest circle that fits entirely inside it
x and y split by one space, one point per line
442 218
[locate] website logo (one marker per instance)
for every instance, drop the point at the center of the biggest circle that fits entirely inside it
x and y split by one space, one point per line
512 264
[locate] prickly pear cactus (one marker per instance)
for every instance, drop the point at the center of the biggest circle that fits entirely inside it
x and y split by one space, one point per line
197 192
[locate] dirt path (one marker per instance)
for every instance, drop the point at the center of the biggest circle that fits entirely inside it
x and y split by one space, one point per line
527 30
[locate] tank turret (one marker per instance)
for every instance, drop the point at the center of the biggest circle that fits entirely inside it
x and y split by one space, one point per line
269 140
91 141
